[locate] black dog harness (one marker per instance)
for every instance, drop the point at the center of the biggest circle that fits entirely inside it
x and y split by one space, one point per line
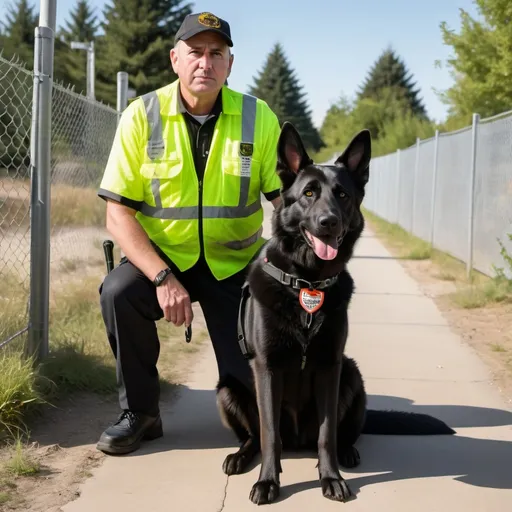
287 280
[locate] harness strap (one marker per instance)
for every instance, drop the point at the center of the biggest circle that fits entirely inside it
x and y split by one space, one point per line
296 282
240 325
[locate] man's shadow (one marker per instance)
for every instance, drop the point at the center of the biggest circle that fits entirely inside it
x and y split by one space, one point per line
195 425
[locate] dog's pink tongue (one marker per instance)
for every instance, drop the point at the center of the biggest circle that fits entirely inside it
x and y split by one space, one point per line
325 251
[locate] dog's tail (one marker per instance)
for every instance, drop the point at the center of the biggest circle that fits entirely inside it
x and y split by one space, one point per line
404 423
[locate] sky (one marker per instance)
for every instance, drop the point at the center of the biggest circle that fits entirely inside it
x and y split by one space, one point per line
332 44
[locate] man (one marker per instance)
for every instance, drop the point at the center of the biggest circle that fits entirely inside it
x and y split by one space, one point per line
183 184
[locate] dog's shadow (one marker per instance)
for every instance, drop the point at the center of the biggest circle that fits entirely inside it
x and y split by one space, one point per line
474 461
471 460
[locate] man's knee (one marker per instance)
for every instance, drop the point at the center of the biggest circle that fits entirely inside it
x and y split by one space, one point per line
122 284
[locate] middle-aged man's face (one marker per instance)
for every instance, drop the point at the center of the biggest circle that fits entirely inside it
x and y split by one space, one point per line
202 63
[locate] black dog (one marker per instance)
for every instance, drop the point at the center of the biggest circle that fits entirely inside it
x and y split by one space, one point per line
294 324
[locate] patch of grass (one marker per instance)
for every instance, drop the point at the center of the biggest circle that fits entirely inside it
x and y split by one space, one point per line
476 292
18 392
80 356
13 305
76 206
477 296
496 347
69 265
21 462
14 212
70 206
445 276
404 244
4 497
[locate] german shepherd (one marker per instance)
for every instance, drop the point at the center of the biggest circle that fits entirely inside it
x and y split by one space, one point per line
293 328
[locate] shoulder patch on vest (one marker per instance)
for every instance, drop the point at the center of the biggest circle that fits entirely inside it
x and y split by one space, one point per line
246 148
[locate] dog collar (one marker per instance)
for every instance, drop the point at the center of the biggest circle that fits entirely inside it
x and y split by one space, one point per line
296 282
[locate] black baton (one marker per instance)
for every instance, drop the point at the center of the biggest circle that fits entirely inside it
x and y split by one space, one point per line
108 249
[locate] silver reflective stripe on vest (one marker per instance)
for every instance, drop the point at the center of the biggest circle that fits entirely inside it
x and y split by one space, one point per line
191 212
248 127
238 245
156 146
155 149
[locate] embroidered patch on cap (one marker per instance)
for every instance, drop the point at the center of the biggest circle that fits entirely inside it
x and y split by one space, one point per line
209 20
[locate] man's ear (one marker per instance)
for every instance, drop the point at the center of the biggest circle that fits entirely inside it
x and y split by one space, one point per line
357 155
291 154
173 55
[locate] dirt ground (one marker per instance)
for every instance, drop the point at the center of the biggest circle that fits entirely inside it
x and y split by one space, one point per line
63 440
488 330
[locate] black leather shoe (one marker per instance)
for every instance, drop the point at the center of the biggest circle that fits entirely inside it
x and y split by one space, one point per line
125 435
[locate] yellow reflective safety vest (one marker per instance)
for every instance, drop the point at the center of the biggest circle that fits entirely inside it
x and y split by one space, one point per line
241 165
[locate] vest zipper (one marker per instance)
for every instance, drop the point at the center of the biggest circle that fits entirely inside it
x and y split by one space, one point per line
200 219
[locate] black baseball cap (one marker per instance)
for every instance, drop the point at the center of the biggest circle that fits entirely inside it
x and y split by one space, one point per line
195 23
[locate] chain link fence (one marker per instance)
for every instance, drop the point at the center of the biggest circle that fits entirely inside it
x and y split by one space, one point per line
15 123
453 190
81 137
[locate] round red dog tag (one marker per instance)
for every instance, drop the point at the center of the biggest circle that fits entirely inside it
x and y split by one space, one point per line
311 300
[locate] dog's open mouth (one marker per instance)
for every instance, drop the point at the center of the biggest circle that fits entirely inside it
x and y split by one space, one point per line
326 248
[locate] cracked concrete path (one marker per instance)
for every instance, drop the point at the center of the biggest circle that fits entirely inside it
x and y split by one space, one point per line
410 360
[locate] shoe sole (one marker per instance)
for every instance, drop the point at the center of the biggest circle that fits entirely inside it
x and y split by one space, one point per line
154 432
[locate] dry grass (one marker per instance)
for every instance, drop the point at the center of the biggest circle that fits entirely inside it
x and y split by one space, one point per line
404 244
70 206
476 292
80 357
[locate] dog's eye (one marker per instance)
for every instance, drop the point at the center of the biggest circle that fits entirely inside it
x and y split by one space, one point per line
342 194
308 193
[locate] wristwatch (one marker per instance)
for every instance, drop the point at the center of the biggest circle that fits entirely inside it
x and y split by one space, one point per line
160 277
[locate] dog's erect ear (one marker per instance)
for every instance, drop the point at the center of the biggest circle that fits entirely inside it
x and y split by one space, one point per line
357 155
291 153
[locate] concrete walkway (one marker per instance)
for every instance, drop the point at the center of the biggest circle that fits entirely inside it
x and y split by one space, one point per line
410 360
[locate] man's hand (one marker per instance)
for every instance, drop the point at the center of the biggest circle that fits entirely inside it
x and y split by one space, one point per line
175 302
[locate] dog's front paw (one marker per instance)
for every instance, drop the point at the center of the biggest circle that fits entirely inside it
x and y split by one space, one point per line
264 491
336 489
235 464
349 457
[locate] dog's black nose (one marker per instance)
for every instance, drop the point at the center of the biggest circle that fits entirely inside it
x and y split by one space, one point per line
329 221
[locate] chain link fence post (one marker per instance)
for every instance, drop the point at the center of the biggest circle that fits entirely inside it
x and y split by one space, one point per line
474 139
434 180
40 167
397 186
415 181
122 92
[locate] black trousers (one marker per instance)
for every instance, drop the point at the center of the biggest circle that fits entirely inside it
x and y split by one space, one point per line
130 309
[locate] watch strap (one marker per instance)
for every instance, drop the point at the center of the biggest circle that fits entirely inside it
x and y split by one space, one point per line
160 277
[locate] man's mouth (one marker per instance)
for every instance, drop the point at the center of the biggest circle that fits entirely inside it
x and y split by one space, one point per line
326 248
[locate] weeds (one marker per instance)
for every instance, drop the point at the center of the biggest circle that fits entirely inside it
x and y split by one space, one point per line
406 245
21 462
478 292
70 206
80 356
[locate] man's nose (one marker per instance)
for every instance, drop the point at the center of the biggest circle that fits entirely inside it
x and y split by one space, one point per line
206 61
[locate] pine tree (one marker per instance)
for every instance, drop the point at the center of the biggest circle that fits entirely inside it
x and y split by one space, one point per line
390 72
19 35
70 66
138 37
278 85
